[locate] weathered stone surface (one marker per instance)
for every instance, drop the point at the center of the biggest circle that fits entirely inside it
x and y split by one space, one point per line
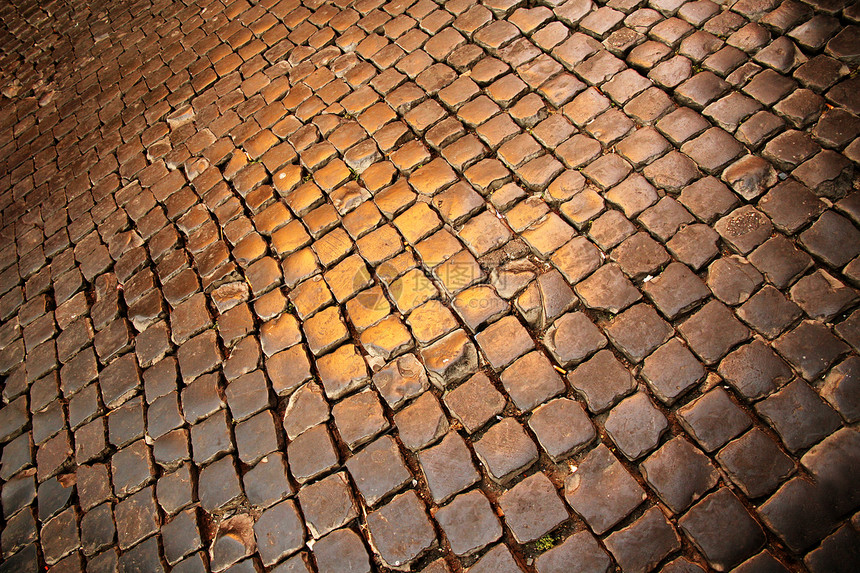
645 542
532 508
679 473
755 463
602 491
448 468
635 425
506 450
240 246
469 523
707 524
603 381
400 531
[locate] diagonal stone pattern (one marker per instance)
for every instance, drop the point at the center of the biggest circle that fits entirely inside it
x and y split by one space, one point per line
468 285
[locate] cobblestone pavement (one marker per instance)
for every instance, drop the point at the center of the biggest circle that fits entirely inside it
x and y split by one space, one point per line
454 286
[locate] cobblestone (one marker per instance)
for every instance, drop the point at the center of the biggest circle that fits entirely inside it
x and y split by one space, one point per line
355 286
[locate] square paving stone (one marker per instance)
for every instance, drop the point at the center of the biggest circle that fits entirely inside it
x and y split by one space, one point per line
644 543
810 348
780 261
312 454
342 371
822 296
378 470
218 485
327 504
143 557
211 438
572 338
532 508
474 402
679 473
499 558
201 398
247 395
160 379
769 312
189 318
306 408
93 485
131 468
287 370
60 536
636 425
602 491
469 523
800 514
755 463
18 493
266 483
840 388
359 418
479 305
421 423
607 289
744 229
448 467
340 551
676 290
713 331
580 551
400 531
174 490
279 532
119 380
19 531
722 529
799 415
504 341
450 359
279 334
325 330
640 255
181 536
638 331
171 449
754 370
199 355
830 464
98 530
713 419
387 339
164 415
832 238
256 437
506 450
136 518
55 494
17 455
602 381
531 380
562 428
401 380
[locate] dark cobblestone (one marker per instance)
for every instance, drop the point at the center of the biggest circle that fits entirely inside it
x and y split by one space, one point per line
241 243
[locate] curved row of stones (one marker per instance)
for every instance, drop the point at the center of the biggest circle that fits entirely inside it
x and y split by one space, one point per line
485 286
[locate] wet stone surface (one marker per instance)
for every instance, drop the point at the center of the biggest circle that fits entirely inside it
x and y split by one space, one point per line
428 286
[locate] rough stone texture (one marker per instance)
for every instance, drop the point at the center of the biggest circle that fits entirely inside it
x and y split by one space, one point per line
298 262
706 525
532 508
602 491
